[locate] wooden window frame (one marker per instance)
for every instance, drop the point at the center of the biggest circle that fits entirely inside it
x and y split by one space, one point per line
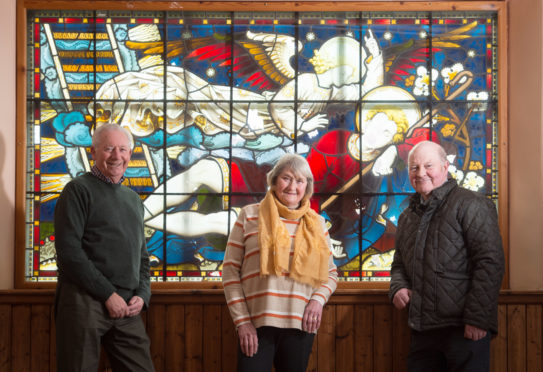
500 7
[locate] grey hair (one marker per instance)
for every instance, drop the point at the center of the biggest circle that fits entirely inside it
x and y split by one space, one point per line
97 136
435 146
298 165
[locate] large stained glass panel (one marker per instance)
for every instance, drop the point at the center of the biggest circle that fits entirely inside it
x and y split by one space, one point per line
213 99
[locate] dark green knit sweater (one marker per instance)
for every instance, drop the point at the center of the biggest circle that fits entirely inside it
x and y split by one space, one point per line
100 240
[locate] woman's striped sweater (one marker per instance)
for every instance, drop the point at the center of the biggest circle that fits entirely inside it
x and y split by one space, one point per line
276 301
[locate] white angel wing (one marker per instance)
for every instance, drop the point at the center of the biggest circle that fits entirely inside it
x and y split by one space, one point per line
273 52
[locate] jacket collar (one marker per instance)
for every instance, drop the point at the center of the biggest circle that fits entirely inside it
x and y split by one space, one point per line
437 194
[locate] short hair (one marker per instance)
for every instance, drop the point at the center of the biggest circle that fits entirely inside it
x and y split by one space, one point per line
97 136
298 165
436 146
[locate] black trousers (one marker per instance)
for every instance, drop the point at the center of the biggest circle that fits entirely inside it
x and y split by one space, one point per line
83 325
447 350
285 348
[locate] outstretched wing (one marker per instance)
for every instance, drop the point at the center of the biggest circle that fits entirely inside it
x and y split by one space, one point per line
400 60
272 52
174 48
263 59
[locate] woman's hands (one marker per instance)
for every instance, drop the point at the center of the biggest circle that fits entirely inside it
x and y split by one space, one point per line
248 339
312 317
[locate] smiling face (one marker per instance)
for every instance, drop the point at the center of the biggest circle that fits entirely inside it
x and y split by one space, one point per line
290 188
111 154
427 168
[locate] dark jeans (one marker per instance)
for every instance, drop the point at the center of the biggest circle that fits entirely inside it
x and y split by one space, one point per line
285 348
447 350
83 325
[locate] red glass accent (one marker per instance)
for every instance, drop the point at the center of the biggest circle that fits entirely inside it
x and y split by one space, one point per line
36 234
37 159
37 31
72 20
49 20
145 20
381 273
48 273
381 22
37 183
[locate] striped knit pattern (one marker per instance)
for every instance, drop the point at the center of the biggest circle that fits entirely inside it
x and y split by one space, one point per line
276 301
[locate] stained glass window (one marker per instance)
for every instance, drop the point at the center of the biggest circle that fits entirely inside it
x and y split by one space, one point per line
213 99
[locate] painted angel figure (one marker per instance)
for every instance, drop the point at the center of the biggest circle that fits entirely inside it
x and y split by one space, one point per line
279 102
135 99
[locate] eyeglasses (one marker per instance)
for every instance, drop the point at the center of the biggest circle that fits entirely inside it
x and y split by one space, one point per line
289 180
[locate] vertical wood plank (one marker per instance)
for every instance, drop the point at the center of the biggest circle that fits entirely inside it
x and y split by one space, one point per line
229 352
229 347
344 337
5 338
193 331
175 338
401 335
516 340
382 351
212 338
53 341
534 337
20 334
40 328
498 345
326 341
363 338
156 329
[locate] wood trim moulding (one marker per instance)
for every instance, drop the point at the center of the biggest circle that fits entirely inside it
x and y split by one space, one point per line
264 5
216 296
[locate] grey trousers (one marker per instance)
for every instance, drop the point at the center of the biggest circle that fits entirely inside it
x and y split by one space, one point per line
83 325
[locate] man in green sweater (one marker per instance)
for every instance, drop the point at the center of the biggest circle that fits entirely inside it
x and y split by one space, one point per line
103 265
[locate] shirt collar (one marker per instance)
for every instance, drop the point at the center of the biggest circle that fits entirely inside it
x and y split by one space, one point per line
97 173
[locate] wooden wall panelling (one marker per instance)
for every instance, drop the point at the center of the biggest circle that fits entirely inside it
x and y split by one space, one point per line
345 338
326 356
400 339
382 338
5 337
174 348
516 337
194 333
20 336
156 329
52 341
229 349
194 339
534 338
40 326
498 345
212 342
363 338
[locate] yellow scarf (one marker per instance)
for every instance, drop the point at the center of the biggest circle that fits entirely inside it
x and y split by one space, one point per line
311 252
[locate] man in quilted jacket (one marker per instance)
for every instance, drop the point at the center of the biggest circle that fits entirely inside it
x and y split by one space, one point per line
447 269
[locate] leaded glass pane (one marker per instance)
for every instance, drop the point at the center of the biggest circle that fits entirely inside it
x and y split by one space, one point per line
213 99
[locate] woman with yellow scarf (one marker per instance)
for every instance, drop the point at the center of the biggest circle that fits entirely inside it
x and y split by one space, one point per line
278 272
